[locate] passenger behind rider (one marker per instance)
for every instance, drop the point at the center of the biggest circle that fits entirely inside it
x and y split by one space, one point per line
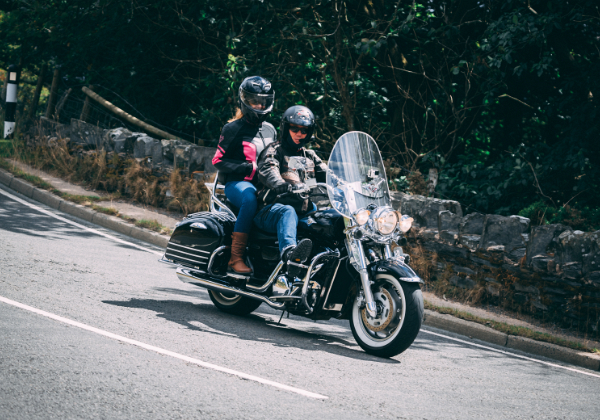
281 217
242 140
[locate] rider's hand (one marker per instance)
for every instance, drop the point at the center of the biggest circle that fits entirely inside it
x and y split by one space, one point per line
283 188
246 168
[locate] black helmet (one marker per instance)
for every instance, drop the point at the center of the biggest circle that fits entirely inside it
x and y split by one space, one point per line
298 115
256 98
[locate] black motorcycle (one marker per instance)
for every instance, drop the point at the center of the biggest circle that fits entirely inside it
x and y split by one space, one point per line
357 270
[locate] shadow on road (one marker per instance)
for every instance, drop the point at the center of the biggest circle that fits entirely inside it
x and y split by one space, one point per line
204 317
18 218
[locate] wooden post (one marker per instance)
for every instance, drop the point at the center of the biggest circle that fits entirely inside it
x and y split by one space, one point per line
130 118
38 91
87 107
61 103
53 93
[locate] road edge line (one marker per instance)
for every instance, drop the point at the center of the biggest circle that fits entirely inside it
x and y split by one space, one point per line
163 351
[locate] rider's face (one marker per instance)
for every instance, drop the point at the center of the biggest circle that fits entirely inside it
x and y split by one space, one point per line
258 106
297 136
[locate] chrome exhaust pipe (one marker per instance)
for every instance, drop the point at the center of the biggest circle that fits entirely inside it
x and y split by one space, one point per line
187 276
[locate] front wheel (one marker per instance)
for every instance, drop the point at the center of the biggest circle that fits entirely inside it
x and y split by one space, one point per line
232 303
398 320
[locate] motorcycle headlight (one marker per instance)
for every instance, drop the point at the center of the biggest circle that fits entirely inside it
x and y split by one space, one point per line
386 221
405 223
362 216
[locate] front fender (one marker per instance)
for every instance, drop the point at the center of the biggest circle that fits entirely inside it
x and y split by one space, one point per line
395 268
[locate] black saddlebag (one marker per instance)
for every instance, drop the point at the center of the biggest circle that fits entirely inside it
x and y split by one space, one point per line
197 236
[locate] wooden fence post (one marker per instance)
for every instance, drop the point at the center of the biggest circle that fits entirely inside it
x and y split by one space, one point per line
53 93
87 107
62 102
38 91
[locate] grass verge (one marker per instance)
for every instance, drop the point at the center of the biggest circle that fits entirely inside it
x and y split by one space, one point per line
111 211
153 225
512 329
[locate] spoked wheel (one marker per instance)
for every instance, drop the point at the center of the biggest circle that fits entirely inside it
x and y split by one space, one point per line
398 320
232 303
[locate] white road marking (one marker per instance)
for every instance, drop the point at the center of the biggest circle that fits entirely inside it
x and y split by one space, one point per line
97 232
508 353
208 365
165 352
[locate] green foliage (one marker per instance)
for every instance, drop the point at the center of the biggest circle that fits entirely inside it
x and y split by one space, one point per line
502 97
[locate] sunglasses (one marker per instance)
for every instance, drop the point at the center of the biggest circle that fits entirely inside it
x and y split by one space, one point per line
301 130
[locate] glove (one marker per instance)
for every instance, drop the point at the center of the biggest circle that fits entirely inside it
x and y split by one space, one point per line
283 188
245 168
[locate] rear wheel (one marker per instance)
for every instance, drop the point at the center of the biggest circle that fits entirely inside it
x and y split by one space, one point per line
232 303
398 321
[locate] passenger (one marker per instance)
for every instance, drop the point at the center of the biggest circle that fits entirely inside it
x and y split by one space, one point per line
297 126
242 140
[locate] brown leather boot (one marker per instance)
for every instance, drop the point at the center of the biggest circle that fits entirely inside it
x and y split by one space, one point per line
238 247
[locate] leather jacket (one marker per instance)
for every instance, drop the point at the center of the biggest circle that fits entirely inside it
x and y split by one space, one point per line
274 161
241 142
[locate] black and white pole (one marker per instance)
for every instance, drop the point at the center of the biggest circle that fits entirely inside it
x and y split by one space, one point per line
11 100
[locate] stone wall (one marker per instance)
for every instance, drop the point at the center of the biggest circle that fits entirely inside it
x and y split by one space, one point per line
159 153
549 271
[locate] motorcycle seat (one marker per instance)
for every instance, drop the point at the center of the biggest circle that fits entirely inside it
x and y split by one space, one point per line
262 235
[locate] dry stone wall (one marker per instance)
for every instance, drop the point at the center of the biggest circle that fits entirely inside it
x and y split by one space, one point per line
550 271
159 153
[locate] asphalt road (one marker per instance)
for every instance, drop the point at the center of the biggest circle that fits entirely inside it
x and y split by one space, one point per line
113 284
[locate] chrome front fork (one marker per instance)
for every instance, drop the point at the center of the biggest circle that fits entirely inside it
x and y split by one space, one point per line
359 262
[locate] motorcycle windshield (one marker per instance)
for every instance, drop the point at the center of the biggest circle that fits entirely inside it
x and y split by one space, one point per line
356 176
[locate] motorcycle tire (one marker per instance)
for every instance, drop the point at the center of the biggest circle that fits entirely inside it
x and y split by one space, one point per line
232 303
399 322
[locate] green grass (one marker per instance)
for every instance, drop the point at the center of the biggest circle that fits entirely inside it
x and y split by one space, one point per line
35 180
153 225
106 210
512 329
78 199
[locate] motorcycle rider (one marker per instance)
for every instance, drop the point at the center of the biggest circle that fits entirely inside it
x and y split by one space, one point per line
296 129
241 142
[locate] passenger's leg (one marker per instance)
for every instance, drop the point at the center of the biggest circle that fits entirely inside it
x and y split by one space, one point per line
243 195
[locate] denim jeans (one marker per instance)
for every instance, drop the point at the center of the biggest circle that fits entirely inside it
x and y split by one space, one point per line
281 219
243 195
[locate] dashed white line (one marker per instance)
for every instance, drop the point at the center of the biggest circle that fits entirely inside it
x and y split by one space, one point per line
165 352
56 216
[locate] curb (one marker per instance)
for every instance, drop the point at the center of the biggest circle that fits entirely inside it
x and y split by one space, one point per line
82 212
432 319
513 342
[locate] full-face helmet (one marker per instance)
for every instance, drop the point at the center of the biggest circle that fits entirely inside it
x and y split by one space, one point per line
256 98
301 116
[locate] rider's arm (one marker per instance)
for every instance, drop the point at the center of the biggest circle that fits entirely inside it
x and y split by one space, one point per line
268 168
228 142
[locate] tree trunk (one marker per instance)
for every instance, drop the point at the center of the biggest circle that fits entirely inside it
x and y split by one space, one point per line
38 91
53 93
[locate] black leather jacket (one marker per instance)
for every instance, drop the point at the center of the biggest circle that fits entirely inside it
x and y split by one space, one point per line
241 142
274 161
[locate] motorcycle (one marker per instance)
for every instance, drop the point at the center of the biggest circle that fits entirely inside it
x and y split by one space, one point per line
357 270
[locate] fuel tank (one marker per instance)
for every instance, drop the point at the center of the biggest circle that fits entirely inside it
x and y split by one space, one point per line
323 226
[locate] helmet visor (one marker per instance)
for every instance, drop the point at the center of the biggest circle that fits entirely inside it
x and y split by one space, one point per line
259 102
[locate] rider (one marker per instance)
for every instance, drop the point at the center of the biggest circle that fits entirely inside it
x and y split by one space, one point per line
296 129
241 142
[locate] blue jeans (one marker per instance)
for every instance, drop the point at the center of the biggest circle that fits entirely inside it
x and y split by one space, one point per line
281 219
243 195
